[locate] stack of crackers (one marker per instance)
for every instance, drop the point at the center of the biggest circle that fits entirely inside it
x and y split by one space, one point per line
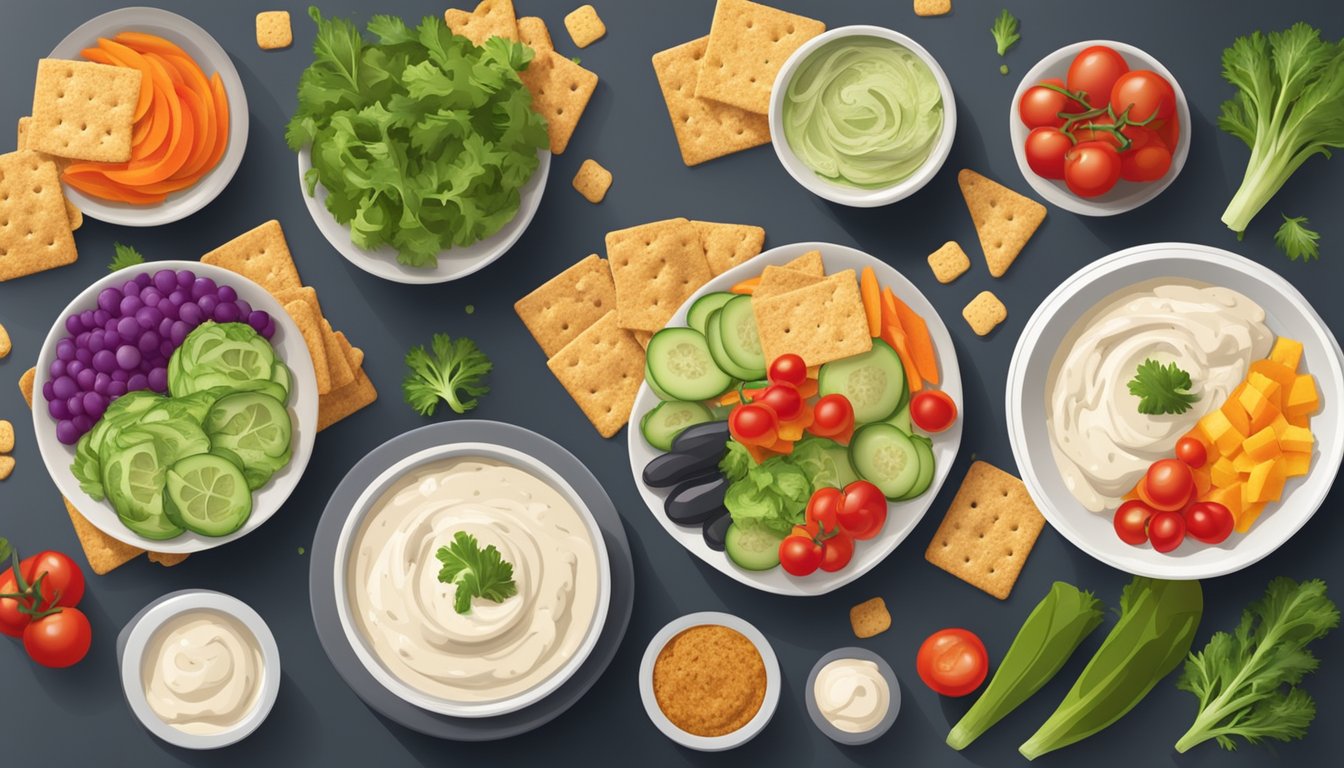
717 88
801 310
594 319
262 256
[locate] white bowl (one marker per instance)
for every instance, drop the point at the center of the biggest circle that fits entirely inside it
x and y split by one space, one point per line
454 263
854 196
266 501
344 558
212 58
1126 195
710 743
1287 314
902 516
137 636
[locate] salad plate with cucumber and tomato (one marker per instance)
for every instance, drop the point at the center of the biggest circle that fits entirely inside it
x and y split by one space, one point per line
790 465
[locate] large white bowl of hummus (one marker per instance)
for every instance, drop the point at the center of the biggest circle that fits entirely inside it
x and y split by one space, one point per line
498 656
1079 440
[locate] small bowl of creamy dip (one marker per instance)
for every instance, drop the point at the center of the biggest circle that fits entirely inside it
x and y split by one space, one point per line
862 116
853 695
200 669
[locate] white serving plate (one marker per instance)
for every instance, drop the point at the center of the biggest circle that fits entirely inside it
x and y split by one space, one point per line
454 263
1287 314
302 407
1126 195
902 517
344 558
212 58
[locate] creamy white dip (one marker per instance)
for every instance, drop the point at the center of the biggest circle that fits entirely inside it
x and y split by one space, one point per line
496 650
852 694
202 672
1101 443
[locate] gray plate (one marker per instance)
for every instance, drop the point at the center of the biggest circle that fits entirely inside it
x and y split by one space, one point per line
322 591
845 737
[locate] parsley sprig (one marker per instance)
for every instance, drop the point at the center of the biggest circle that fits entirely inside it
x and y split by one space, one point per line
1162 389
126 256
1296 241
477 572
1005 31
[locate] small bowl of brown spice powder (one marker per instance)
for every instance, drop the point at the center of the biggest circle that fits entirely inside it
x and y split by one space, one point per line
709 681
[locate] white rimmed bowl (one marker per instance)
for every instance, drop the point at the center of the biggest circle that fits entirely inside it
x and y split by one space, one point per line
212 58
1287 314
363 506
454 263
1126 195
893 705
267 500
710 743
134 641
839 193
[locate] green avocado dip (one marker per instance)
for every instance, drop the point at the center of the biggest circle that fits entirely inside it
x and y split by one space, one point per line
863 112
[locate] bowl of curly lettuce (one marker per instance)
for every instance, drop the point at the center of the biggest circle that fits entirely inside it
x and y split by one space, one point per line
419 175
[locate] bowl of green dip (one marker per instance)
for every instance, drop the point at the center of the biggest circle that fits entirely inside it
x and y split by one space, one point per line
862 116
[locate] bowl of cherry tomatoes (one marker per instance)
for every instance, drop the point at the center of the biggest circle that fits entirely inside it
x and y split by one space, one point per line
1099 128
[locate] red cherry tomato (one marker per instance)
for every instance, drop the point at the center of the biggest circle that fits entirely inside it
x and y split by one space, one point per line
1192 452
837 551
1091 168
1209 521
1045 149
784 400
800 555
1094 72
1145 94
1096 129
62 579
832 415
754 424
1169 483
952 662
1041 106
863 510
60 639
1169 130
1148 163
12 620
824 509
933 410
1166 530
788 369
1131 521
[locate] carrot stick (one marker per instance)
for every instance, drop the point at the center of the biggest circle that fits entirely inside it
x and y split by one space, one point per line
872 302
917 340
747 286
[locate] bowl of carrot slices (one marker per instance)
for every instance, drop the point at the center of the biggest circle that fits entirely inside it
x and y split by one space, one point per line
190 126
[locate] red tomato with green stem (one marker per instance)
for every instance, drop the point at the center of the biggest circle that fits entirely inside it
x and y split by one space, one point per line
1094 72
1209 521
837 551
1043 104
62 581
1091 168
863 510
788 369
1131 521
1145 94
60 639
824 509
1166 530
754 424
800 555
1100 128
1148 163
953 662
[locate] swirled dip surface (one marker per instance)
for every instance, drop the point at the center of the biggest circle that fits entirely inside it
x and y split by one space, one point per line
863 112
496 650
202 672
852 694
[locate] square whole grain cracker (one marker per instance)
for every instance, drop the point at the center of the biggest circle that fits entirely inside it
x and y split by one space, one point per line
643 337
567 304
274 30
83 110
353 355
727 245
1004 220
26 385
6 436
103 552
72 211
655 268
949 262
822 322
984 313
933 7
532 32
261 255
776 280
705 129
560 92
870 618
492 18
585 26
337 367
809 262
988 532
310 326
5 344
748 43
602 369
34 227
341 403
592 181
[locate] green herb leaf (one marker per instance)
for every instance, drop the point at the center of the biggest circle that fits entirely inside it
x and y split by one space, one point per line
5 551
126 256
576 59
1003 69
1005 31
1295 240
476 572
1162 389
452 373
1246 681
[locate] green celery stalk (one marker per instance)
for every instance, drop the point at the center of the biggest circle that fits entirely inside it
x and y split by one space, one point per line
1046 640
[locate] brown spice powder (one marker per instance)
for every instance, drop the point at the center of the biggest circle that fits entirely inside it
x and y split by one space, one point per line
709 680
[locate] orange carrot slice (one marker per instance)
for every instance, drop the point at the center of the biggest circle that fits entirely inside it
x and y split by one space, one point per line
917 339
747 286
95 185
872 302
147 43
896 338
131 59
221 121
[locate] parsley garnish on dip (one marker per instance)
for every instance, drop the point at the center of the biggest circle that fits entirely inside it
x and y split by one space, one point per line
863 112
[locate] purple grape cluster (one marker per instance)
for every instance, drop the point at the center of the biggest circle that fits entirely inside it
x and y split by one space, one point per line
124 344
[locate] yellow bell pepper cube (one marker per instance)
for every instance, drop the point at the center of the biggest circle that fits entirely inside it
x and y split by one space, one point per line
1221 431
1303 399
1223 473
1263 445
1248 516
1287 352
1296 439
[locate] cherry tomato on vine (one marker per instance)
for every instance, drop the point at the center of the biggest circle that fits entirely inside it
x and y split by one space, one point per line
1091 168
1145 94
1209 521
832 415
1192 452
1169 130
824 509
62 579
788 369
836 552
1131 521
1166 530
1148 163
754 424
953 662
800 555
13 620
1041 106
1096 129
784 400
1045 150
863 510
933 410
1094 72
60 639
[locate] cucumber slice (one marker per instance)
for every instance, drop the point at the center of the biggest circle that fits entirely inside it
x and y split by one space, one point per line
698 315
872 381
88 468
714 339
753 547
208 495
233 351
281 375
680 362
740 339
133 478
657 390
253 425
901 420
886 457
923 447
175 439
661 425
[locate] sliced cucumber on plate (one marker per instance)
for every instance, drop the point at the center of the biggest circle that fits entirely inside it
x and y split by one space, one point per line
668 419
874 382
681 364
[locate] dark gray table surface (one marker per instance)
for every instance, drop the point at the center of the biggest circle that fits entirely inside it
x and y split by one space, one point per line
78 716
